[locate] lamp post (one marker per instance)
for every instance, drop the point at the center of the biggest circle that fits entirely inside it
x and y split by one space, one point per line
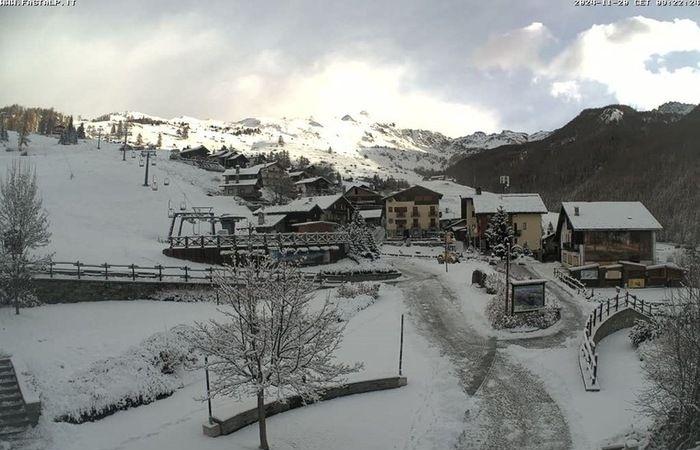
507 273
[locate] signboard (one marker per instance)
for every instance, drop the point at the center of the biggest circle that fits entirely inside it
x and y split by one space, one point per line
613 275
527 296
589 274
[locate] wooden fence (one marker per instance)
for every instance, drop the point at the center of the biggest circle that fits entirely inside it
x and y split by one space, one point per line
588 354
573 283
263 240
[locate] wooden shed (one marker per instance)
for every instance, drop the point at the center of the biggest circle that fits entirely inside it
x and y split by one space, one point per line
634 274
588 275
667 274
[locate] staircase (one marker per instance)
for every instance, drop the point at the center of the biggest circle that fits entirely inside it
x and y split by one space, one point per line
13 415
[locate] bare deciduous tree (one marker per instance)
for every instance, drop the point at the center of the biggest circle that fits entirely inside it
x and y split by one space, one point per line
672 367
272 342
24 227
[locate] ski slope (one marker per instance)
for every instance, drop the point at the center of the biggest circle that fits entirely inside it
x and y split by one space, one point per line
97 204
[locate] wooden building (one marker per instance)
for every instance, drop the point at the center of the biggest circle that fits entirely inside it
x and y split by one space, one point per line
606 232
313 186
524 211
199 152
362 197
336 208
412 212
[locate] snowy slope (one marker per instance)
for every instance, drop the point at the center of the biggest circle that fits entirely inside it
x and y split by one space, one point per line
358 145
98 208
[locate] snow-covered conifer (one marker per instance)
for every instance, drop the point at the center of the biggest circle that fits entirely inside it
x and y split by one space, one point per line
362 243
499 232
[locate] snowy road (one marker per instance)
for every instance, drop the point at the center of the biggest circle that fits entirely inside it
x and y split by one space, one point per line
514 409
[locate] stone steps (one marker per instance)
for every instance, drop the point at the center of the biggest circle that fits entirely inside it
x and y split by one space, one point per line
13 415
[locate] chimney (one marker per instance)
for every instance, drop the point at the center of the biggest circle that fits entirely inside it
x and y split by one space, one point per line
238 174
478 190
576 211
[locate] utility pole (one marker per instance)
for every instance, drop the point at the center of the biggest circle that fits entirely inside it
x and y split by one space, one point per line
147 154
99 137
507 275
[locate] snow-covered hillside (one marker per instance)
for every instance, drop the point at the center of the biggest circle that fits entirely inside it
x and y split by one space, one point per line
355 144
97 204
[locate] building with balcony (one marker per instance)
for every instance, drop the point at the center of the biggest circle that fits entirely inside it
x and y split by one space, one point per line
412 212
606 232
524 210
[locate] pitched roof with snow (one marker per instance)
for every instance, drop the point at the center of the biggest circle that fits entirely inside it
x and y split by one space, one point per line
610 216
312 180
371 213
488 203
252 170
304 204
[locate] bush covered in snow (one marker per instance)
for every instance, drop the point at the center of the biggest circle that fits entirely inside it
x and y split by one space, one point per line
352 298
501 319
642 331
152 370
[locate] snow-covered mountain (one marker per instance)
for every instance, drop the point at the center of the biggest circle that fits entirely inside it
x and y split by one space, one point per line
355 143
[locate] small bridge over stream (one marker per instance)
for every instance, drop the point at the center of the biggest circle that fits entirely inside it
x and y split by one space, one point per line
612 315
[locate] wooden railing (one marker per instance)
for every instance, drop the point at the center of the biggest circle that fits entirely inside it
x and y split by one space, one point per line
79 270
588 354
572 283
265 240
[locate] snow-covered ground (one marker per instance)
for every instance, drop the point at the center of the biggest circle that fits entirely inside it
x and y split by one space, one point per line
56 340
98 207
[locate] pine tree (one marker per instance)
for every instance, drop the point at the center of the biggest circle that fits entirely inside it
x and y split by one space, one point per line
280 141
23 133
270 341
139 139
159 142
4 137
184 131
362 243
113 131
80 133
499 232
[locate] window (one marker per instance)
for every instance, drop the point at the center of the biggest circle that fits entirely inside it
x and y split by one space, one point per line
391 209
391 220
432 222
415 210
524 225
415 223
473 213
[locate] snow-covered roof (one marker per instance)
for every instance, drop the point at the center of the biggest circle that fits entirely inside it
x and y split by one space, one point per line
371 213
299 205
312 180
325 201
584 267
610 216
313 222
252 170
488 203
244 182
303 204
297 173
269 220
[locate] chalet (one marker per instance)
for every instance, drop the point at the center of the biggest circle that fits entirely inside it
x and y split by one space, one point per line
236 160
320 226
606 232
363 197
336 208
296 175
313 186
229 158
199 152
269 175
412 212
373 217
524 210
298 211
247 189
270 223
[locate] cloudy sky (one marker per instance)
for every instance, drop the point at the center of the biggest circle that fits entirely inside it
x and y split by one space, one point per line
452 66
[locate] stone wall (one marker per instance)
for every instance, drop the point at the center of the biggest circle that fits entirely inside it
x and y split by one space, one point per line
56 290
241 420
616 322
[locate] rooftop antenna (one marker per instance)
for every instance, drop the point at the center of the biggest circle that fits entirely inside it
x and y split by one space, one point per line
505 181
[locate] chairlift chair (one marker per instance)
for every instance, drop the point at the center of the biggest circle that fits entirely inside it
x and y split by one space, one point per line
141 163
